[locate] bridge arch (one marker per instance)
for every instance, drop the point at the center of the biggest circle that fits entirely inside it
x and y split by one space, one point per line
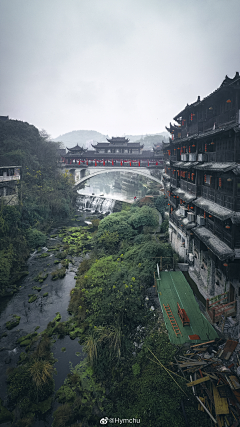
136 171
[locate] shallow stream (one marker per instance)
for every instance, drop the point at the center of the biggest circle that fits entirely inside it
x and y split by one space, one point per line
41 312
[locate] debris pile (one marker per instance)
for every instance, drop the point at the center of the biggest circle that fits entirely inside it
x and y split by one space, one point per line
213 369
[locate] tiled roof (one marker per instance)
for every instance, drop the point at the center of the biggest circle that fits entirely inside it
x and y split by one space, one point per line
187 197
219 248
188 165
217 167
213 208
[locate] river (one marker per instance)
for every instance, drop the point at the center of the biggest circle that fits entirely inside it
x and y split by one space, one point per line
44 309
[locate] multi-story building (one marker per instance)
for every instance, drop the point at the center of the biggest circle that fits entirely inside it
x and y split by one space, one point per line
9 176
202 183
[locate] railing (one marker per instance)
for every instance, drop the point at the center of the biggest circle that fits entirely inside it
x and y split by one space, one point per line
224 235
183 185
173 182
208 123
219 305
229 309
173 158
218 197
9 178
188 186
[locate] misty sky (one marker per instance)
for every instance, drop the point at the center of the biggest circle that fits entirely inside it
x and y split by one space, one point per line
115 66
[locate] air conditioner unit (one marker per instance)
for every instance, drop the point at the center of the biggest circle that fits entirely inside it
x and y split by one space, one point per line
191 216
191 257
200 220
202 157
184 157
182 211
192 157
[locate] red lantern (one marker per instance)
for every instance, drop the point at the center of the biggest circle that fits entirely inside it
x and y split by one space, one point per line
148 162
139 163
156 163
130 164
121 163
112 163
103 162
225 264
87 162
95 163
79 162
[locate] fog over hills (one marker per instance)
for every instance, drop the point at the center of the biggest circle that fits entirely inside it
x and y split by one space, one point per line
85 138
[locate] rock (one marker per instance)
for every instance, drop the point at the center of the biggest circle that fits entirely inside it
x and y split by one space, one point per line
8 360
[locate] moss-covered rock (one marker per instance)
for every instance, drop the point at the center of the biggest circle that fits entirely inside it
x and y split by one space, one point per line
27 337
13 322
32 298
22 356
25 343
58 274
36 288
77 332
44 255
45 295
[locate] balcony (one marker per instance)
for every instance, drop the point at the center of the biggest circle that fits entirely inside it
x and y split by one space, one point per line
189 187
9 178
220 156
217 196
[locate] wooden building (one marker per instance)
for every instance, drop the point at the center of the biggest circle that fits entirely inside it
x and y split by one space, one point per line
118 145
202 183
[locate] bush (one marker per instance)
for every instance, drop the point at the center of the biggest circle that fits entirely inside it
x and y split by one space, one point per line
35 238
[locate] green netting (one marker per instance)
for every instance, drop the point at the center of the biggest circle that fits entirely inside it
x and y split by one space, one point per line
173 288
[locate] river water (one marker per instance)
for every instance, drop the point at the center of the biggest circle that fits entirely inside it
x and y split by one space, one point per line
44 309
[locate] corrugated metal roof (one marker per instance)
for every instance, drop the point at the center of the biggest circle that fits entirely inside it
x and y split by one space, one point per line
213 208
219 248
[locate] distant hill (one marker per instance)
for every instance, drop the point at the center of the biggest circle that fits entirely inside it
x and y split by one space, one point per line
85 138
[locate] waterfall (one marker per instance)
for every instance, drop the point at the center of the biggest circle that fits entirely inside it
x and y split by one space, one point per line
95 204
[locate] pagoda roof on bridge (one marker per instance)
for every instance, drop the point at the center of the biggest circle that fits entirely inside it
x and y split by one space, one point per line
118 139
77 149
118 145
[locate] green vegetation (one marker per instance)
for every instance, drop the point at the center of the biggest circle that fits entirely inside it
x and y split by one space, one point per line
45 195
121 335
13 322
31 384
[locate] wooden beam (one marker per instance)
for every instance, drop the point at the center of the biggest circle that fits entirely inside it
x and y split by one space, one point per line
200 380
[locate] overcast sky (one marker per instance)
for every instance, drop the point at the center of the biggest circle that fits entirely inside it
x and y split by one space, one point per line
115 66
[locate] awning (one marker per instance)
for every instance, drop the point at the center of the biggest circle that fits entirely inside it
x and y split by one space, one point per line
166 176
184 195
217 167
219 248
213 208
178 164
188 165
